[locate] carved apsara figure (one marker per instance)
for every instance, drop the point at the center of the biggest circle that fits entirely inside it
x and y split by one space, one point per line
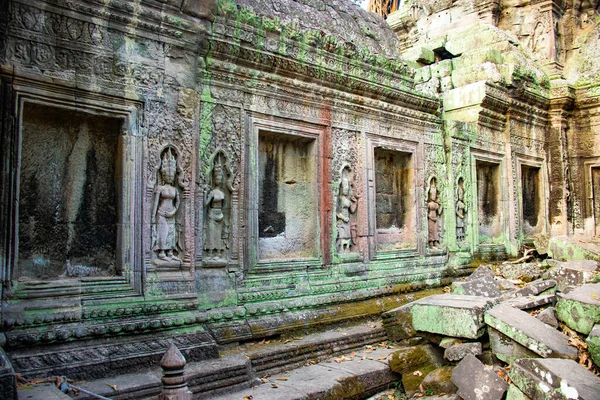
347 203
461 211
216 200
434 210
166 204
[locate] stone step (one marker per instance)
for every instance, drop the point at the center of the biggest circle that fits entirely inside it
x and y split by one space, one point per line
240 370
297 352
359 377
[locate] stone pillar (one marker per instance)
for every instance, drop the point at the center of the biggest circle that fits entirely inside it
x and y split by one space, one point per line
559 203
173 379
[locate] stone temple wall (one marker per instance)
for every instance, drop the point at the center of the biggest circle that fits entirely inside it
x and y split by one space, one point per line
208 173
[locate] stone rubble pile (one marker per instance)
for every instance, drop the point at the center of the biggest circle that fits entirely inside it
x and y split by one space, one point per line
521 334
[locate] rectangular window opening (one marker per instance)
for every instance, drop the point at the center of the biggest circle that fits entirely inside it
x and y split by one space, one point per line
394 200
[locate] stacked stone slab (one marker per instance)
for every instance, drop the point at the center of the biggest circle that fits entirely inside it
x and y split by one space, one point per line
458 324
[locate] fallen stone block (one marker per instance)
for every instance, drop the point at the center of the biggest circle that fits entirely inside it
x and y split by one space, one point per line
482 272
536 287
529 332
548 316
398 323
529 302
412 358
514 393
414 363
526 272
580 308
440 381
476 382
593 342
451 315
485 286
552 378
459 351
506 349
569 273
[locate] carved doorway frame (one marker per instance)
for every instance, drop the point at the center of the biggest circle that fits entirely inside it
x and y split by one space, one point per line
532 162
589 164
21 91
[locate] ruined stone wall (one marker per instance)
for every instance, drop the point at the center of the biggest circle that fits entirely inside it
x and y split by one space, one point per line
229 158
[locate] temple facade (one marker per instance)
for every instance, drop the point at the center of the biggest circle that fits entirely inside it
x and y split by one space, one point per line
206 173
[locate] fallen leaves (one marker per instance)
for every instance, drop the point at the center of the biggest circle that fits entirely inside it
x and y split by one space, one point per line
113 387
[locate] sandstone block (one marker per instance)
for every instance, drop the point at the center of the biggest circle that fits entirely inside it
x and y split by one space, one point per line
459 351
451 315
536 287
398 323
548 316
484 286
571 272
476 382
551 378
527 303
514 393
530 332
593 342
506 349
580 308
413 358
440 381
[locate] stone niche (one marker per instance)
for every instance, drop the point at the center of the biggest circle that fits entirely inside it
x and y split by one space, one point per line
488 200
69 194
394 200
287 201
531 200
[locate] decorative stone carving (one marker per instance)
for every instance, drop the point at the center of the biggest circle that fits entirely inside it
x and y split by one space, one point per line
434 210
461 211
217 202
347 202
167 199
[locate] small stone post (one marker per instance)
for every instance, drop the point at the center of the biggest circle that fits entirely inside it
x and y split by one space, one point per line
173 379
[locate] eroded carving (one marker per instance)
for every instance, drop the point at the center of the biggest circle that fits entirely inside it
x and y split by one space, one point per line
217 202
167 201
434 210
461 211
347 202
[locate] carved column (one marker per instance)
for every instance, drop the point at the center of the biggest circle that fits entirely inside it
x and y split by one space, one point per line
558 166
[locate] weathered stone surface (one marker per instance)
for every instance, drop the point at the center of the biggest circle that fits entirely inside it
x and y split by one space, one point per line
530 332
506 349
540 378
459 351
398 323
484 286
514 393
569 273
536 287
593 342
548 316
527 272
440 381
44 391
580 308
451 315
8 380
476 382
529 302
412 358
